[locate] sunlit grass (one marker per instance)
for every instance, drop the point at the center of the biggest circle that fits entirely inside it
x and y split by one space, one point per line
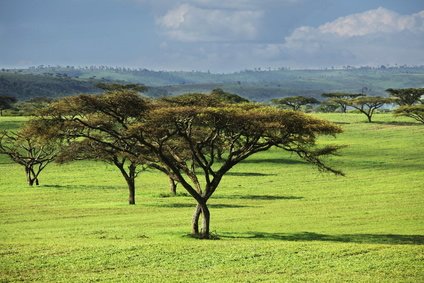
277 218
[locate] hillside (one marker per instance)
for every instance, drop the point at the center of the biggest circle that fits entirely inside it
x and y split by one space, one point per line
256 85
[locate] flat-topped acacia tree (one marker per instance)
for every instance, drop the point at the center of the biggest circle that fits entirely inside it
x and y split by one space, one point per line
186 139
182 139
341 98
96 128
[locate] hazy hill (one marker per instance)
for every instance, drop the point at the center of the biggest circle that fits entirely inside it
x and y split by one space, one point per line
256 85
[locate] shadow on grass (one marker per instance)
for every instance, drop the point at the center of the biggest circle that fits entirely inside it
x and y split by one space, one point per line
392 239
258 197
274 160
191 205
248 174
83 187
396 123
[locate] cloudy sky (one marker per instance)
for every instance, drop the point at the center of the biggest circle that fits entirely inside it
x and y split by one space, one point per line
215 35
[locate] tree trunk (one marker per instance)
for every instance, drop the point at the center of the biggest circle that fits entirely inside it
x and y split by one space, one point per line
29 179
173 186
369 118
131 189
201 209
195 220
204 234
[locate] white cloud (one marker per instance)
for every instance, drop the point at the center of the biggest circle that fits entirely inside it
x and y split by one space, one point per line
378 36
375 21
190 24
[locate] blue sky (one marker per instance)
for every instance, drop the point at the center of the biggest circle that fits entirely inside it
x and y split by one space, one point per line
215 35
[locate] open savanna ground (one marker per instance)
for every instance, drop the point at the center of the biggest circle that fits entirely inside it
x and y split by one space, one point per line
277 218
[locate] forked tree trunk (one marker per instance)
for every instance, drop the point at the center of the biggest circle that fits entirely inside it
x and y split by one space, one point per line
31 177
201 210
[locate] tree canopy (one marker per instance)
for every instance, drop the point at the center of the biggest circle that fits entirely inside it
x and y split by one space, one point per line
340 98
407 96
6 102
413 111
26 148
368 104
295 102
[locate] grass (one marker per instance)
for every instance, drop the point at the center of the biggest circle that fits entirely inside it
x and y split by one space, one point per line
277 218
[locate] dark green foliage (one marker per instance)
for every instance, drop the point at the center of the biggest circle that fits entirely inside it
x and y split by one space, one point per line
6 102
413 111
27 86
295 102
227 97
121 87
407 96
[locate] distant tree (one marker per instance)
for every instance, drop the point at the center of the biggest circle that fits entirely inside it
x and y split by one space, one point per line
6 102
368 104
328 106
227 97
26 148
295 102
120 87
31 106
340 98
186 139
407 96
413 111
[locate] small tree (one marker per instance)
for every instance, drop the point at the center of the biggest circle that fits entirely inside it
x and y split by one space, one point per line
6 102
407 96
27 149
413 111
295 102
220 94
340 98
368 104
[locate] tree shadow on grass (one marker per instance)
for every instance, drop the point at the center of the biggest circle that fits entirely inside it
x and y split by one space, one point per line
397 123
274 160
258 197
83 187
391 239
191 205
248 174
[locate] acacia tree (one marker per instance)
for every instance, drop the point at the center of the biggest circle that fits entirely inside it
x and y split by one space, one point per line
6 102
413 111
407 96
340 98
96 127
295 102
25 148
368 104
186 138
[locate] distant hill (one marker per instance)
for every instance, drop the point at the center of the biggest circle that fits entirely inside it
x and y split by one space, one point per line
255 85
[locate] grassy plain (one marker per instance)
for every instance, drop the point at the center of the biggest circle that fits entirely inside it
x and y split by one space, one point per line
278 219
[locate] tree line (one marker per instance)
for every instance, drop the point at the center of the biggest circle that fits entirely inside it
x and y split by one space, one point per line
409 100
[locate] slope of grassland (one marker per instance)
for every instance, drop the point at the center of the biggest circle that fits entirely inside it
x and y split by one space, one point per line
277 218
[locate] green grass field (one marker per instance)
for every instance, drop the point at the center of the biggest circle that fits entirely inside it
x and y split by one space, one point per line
277 218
